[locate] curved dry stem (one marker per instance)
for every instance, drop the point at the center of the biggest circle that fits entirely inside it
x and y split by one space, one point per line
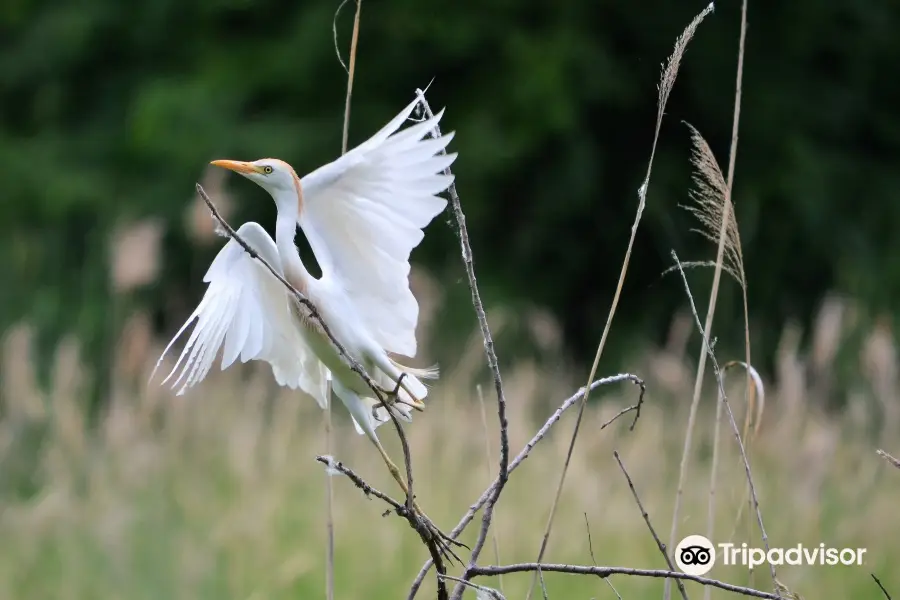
737 434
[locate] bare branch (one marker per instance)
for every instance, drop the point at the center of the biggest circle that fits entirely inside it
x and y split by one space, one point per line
608 571
489 351
888 458
359 482
659 544
415 521
737 434
541 433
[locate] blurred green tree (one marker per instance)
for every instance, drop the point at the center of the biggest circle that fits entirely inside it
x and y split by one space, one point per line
111 110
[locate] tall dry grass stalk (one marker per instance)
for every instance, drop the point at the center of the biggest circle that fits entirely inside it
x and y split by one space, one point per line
726 222
667 82
329 487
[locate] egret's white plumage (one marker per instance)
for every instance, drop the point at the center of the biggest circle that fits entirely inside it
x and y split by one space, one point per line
362 214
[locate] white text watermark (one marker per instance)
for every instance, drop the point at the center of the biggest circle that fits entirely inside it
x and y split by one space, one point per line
696 555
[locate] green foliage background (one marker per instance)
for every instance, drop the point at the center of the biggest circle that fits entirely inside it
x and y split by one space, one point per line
110 110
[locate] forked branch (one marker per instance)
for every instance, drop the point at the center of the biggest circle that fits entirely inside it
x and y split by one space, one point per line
526 451
401 509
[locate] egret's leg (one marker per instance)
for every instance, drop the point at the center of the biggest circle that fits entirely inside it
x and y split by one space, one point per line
444 541
395 471
363 417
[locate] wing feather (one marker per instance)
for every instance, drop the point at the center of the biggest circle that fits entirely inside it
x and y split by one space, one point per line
364 213
246 312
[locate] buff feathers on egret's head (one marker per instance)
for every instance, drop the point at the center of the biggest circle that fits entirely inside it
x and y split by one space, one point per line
362 214
270 173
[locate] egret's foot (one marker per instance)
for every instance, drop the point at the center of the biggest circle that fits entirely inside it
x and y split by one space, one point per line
393 396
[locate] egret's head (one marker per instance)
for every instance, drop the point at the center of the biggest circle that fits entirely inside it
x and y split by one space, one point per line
273 175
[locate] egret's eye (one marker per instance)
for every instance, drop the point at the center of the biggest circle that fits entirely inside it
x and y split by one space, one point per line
267 170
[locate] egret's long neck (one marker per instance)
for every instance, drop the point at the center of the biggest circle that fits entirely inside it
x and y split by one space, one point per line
285 230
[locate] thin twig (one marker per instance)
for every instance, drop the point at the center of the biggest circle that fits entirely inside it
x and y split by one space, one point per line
888 458
659 544
883 590
524 453
359 482
487 452
491 592
337 49
489 351
587 526
329 503
667 82
734 427
488 571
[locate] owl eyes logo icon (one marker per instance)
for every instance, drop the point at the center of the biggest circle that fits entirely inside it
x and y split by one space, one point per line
695 555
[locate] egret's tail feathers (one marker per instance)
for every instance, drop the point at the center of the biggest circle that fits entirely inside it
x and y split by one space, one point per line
432 372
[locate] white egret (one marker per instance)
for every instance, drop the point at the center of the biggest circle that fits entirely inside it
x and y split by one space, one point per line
362 214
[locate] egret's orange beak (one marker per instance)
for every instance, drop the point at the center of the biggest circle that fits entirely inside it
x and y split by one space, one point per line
237 166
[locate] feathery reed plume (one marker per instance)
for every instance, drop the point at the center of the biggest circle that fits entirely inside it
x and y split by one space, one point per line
667 82
710 195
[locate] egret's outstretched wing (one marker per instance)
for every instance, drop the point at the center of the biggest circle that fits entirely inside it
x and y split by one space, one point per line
364 213
248 311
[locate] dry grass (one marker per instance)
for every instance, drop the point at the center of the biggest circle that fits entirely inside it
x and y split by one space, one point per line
217 495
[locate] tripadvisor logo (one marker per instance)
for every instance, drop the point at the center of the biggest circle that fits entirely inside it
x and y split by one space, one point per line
696 555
